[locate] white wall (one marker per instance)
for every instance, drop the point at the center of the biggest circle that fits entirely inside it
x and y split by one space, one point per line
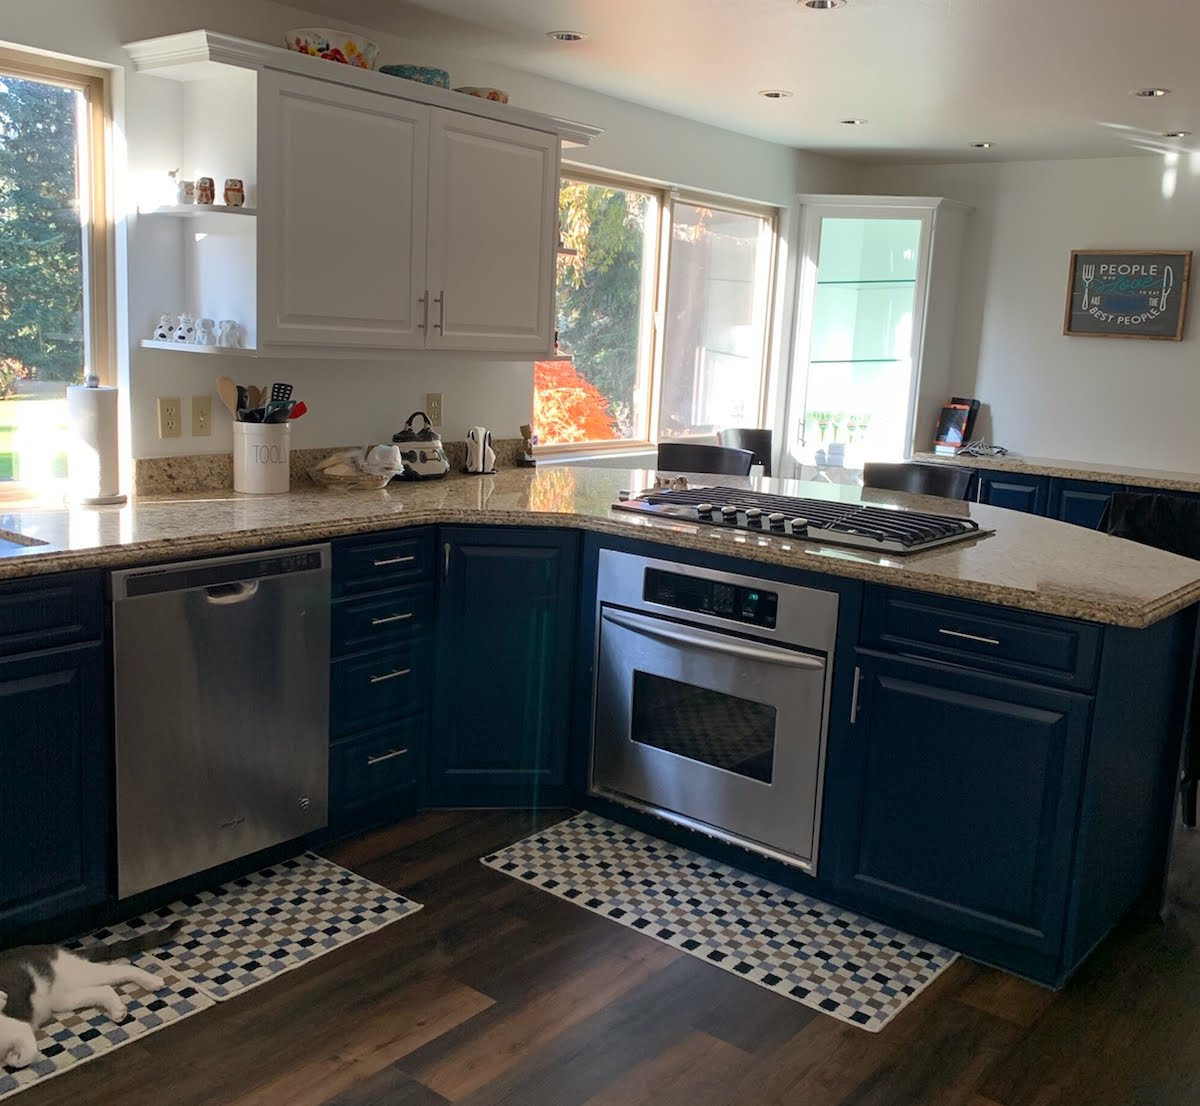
356 400
1126 402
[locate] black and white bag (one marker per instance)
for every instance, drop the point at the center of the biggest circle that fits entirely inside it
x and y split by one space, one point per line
421 451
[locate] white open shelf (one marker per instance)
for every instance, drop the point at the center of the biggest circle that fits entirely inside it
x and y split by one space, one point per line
194 211
191 347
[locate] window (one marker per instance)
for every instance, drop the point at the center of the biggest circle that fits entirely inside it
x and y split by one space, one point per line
620 380
53 260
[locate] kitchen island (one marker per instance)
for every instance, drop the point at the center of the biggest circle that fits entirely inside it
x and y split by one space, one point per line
1000 740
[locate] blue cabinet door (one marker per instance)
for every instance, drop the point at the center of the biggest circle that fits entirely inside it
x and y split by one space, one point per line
965 786
54 784
505 648
1080 502
1015 492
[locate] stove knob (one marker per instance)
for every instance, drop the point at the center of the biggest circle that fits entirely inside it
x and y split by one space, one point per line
754 516
777 519
729 514
800 527
704 510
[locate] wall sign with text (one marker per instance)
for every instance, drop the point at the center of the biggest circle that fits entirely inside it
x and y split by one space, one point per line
1128 293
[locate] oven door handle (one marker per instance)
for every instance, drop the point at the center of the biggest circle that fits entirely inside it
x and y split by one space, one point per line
710 642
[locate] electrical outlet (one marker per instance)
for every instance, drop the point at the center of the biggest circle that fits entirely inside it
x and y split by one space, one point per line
170 417
201 416
433 407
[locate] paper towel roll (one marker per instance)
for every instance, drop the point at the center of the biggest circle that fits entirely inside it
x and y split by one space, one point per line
93 457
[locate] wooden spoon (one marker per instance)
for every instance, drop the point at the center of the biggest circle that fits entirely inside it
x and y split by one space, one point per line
253 397
228 392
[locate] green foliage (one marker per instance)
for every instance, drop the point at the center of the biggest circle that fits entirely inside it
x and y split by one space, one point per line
41 285
599 289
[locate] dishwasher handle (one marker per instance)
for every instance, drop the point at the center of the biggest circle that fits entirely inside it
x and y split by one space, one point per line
225 595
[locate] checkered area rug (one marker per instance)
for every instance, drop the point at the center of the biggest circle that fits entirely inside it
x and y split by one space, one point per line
239 936
827 958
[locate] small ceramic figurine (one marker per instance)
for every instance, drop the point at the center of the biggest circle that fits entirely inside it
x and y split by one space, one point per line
481 458
205 190
185 328
185 191
528 441
235 193
205 335
229 333
165 331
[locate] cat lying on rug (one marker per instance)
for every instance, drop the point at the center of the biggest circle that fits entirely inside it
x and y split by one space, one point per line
39 981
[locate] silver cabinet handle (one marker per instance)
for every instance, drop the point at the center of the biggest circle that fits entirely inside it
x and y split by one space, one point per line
386 756
445 561
393 561
971 637
391 618
390 675
854 697
424 302
440 300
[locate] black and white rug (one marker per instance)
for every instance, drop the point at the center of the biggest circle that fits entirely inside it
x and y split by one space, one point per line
239 936
831 959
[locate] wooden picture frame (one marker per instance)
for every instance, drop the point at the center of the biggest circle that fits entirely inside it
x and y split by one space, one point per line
1127 294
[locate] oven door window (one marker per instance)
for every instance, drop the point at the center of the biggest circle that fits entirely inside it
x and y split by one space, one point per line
711 727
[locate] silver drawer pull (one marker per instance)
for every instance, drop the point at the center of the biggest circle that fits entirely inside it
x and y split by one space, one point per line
390 675
390 618
386 756
393 561
971 637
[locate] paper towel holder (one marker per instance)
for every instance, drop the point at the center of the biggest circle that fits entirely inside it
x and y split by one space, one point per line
95 467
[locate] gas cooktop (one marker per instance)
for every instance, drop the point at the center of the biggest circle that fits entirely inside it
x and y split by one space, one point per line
880 529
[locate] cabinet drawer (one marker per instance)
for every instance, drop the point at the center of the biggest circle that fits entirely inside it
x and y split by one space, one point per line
49 611
381 618
372 764
1030 646
380 561
375 688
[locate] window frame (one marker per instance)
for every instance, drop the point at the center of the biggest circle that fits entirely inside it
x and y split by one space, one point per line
653 332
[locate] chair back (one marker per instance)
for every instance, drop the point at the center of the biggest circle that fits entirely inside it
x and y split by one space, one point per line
691 457
752 438
944 480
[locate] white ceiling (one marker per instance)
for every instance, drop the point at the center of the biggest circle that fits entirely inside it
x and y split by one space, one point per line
1039 78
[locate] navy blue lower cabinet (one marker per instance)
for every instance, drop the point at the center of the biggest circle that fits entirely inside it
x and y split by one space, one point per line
505 634
1080 502
54 785
1016 492
965 788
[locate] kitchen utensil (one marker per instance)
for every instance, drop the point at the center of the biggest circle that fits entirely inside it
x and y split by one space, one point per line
496 95
253 397
421 450
243 399
422 74
281 391
301 408
334 45
279 410
228 391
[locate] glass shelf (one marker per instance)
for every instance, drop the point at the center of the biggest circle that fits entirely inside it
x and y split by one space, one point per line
863 283
857 360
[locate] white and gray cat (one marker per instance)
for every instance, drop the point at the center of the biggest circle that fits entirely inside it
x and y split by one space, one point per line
39 981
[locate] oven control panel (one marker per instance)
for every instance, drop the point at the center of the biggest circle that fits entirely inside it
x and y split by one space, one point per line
753 606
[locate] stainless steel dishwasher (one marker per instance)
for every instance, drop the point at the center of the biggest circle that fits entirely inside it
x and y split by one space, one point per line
222 709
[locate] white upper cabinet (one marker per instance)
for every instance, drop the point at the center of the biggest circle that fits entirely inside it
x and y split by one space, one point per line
493 208
342 231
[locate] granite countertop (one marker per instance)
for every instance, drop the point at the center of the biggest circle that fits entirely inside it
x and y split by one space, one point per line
1076 470
1029 563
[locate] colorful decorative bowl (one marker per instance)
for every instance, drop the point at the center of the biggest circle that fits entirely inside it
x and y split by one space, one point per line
343 46
422 74
498 95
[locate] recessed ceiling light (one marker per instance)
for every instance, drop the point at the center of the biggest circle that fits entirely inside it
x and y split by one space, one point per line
1149 93
566 36
823 5
853 122
776 93
981 145
1177 134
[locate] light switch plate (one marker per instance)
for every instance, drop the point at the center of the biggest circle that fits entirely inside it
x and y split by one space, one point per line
433 407
201 416
170 417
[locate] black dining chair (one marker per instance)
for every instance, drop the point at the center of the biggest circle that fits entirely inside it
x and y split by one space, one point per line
691 457
752 438
941 480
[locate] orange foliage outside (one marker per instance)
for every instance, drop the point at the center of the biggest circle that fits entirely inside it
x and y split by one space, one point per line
566 408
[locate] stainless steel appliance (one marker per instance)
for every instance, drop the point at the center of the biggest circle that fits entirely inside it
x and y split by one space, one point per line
875 528
222 709
711 701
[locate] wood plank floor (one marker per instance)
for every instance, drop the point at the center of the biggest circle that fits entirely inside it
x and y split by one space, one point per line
497 993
